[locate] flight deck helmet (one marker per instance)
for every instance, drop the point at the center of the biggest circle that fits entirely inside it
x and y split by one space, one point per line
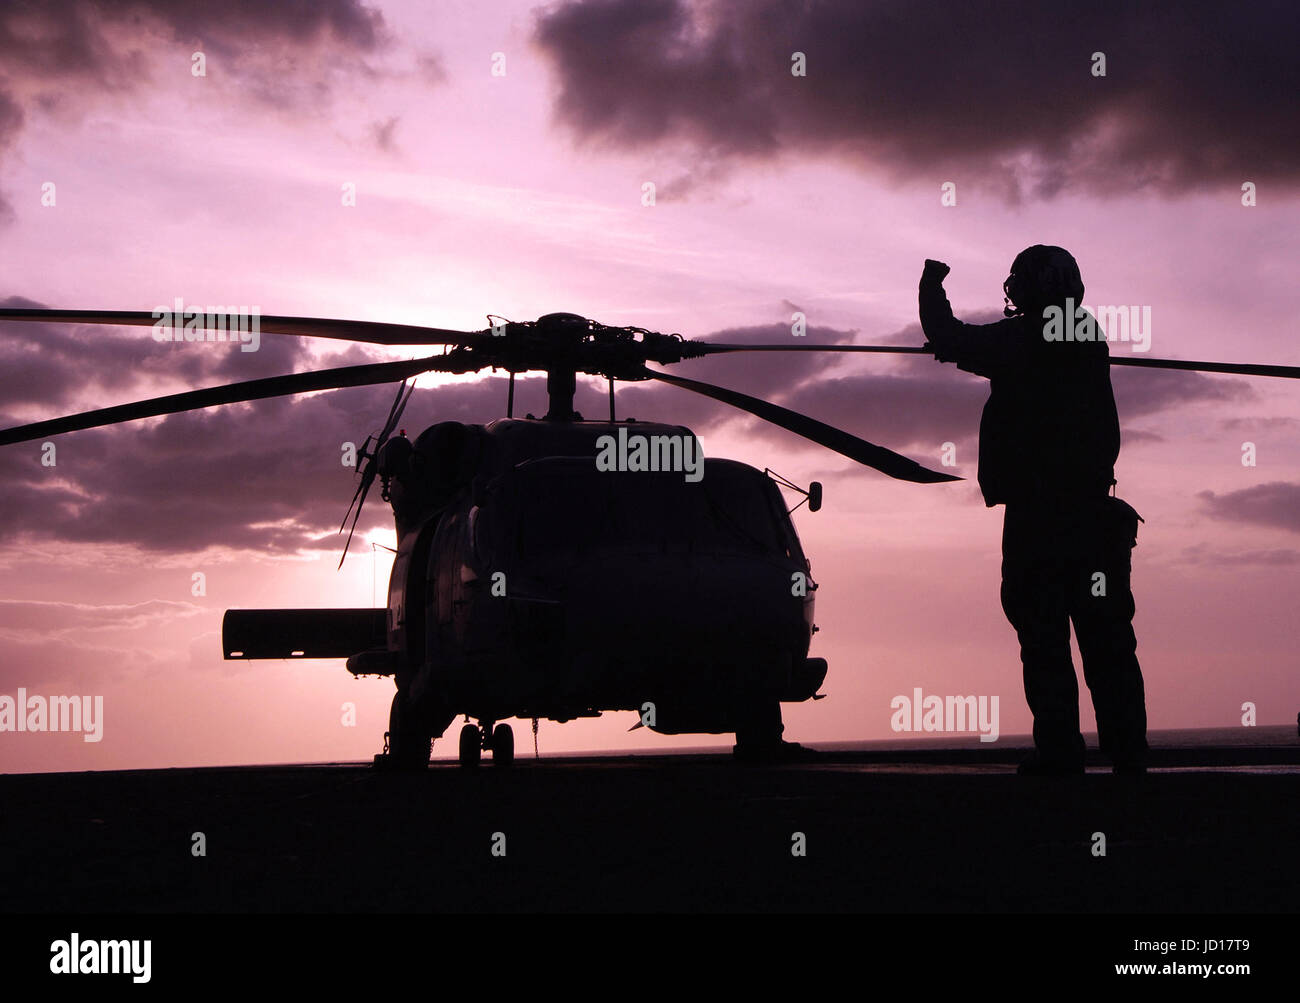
1041 276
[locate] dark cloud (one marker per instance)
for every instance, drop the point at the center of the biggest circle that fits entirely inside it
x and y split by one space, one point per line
913 411
999 96
11 121
1202 554
699 182
430 68
104 44
1136 436
1276 505
1258 424
64 56
40 619
264 476
1146 391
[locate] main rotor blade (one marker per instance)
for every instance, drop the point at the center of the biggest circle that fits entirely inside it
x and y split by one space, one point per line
716 348
878 457
233 393
1233 368
372 332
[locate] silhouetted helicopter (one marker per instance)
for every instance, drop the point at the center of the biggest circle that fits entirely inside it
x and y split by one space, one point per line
556 567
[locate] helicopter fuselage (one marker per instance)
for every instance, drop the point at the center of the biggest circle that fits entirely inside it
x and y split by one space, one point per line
532 581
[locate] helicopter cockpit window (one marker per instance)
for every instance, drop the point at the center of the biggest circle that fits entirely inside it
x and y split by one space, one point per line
566 506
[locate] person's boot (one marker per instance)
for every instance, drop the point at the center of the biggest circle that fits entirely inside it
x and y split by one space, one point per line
758 735
1131 765
773 752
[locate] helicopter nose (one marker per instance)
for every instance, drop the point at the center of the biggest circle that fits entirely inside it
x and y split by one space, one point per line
668 601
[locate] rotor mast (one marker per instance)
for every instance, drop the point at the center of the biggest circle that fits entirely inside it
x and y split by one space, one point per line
565 333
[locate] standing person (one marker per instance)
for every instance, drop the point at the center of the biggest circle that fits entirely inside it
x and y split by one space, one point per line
1049 439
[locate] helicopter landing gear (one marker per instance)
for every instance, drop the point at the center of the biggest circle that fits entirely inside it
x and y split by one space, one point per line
499 740
471 746
407 746
503 745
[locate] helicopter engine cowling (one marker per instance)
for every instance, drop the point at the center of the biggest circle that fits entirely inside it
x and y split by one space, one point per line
394 458
446 457
420 477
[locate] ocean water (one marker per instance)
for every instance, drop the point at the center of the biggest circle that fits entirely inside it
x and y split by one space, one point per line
1264 736
1184 738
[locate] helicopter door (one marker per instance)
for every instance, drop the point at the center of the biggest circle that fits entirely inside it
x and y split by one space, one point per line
443 568
451 580
416 596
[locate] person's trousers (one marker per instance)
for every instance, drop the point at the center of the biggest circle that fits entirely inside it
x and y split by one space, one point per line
1064 564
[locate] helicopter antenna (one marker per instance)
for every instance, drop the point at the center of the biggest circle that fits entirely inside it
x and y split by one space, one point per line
374 584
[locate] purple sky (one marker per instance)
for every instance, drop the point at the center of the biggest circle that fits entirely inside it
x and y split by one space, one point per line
522 194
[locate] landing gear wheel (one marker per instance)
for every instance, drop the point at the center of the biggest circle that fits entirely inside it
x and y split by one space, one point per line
409 746
471 746
503 745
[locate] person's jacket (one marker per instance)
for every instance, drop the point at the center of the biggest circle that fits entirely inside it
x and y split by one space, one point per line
1050 430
